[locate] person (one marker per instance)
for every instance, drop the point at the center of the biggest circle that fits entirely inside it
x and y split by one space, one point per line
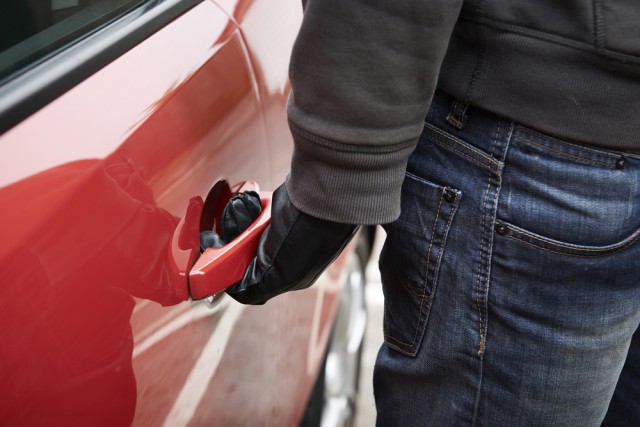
511 265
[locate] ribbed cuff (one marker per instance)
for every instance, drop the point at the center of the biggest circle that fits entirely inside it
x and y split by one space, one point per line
351 184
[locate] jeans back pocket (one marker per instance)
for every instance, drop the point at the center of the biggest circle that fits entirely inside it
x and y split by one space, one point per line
410 260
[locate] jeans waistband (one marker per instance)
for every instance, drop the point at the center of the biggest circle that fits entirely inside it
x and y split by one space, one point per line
467 122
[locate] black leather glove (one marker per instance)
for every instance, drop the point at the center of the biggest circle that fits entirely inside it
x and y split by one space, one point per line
241 210
239 214
293 251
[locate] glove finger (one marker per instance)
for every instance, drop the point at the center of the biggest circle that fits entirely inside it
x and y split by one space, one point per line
241 211
209 239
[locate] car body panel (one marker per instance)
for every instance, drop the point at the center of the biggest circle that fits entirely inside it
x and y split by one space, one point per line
269 44
95 326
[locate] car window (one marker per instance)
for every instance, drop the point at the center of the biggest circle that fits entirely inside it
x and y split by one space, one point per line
31 30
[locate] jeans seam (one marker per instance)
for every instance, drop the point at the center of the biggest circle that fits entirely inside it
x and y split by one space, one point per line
449 147
481 261
562 153
596 253
480 267
573 247
426 279
398 348
571 144
486 249
426 273
417 295
398 344
490 159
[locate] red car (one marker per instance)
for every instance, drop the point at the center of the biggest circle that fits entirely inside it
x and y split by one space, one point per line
125 126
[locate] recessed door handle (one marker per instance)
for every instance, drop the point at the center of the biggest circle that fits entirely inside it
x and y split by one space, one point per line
219 268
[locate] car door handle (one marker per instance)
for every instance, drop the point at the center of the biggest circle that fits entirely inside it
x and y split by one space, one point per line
219 268
185 247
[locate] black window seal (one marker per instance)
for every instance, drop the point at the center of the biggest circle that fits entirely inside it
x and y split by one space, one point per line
30 91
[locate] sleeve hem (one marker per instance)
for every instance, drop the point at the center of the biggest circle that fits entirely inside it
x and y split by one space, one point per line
351 184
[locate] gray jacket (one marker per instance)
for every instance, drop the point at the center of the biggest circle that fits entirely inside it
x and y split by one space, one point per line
363 73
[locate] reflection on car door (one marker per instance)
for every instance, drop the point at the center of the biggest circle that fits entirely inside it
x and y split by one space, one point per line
96 183
95 328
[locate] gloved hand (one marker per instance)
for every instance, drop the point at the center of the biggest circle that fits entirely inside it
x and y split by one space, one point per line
238 214
293 251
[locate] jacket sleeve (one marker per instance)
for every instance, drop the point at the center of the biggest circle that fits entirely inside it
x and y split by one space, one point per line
363 73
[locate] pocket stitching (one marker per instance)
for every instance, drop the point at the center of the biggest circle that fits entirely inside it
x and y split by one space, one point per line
492 165
561 153
411 349
425 278
569 144
582 252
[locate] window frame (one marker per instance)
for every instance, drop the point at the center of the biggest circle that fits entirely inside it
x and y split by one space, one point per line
47 79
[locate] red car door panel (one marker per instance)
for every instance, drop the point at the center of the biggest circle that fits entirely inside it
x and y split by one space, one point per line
95 326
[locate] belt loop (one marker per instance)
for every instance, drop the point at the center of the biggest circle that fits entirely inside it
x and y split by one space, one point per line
458 114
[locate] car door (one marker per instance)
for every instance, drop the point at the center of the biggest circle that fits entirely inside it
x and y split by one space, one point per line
108 138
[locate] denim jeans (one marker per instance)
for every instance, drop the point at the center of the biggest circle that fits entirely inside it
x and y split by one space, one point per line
511 280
